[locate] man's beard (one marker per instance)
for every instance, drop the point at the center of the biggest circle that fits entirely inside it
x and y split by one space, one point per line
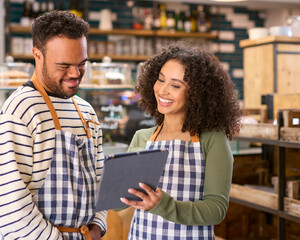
57 89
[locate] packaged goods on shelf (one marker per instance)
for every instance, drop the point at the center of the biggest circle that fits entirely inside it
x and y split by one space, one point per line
292 186
291 128
292 206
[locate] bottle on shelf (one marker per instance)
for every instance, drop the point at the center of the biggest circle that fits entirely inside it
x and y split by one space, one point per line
170 23
201 20
193 18
156 19
50 6
36 9
148 20
187 22
43 8
76 8
178 21
31 12
207 18
26 15
163 17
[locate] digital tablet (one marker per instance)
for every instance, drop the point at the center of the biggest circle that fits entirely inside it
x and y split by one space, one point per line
126 170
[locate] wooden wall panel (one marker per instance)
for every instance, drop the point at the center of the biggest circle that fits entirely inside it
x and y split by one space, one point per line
258 74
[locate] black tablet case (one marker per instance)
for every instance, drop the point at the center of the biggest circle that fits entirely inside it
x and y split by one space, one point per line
125 170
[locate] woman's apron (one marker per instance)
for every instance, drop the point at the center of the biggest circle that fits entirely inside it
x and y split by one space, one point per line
67 196
182 179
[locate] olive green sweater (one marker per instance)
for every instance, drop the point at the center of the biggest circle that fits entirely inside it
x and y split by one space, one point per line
218 173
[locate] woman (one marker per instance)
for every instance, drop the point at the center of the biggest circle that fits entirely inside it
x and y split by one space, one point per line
194 103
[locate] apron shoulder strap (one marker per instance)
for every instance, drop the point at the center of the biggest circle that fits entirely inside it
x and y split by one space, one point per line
85 122
47 100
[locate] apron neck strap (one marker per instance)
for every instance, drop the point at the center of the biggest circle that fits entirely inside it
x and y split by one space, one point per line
85 122
194 138
157 131
46 98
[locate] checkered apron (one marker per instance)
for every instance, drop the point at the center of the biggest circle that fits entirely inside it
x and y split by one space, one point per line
67 196
183 179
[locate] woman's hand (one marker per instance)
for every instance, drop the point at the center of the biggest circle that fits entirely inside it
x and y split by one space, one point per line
148 201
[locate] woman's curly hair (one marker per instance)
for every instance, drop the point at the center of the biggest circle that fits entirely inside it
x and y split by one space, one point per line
57 23
212 98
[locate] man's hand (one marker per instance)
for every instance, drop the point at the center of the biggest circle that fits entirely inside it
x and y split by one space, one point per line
148 201
95 231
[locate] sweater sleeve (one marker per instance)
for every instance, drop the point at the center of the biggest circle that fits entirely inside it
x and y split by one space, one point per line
140 139
100 217
218 173
19 216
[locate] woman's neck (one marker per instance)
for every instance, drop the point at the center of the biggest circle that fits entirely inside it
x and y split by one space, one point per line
172 126
171 130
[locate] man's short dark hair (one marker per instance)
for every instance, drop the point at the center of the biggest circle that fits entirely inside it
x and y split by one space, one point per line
57 23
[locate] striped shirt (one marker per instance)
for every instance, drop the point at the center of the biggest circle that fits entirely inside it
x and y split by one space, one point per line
27 137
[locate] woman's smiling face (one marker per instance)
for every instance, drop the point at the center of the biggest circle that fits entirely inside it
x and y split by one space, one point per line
171 90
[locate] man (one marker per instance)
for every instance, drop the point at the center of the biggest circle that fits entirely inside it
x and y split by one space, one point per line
51 155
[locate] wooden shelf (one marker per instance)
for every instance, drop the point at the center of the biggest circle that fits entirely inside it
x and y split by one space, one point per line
253 205
261 140
85 87
268 39
288 144
206 35
22 56
132 32
288 216
19 29
96 57
120 57
279 143
255 196
119 87
263 201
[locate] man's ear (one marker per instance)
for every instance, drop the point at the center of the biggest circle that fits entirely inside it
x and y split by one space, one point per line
37 54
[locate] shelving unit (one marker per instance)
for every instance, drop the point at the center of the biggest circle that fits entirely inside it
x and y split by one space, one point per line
277 208
16 29
133 32
86 87
270 65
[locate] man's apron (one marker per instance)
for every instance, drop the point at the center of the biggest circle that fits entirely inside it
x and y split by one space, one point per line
182 179
67 196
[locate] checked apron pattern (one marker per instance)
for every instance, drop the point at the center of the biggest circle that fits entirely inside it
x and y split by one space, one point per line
67 196
182 179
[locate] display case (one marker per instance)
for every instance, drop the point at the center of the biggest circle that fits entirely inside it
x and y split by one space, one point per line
110 74
108 87
15 74
119 115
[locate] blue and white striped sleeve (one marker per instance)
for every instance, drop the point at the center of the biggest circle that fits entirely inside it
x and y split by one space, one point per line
19 216
100 217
